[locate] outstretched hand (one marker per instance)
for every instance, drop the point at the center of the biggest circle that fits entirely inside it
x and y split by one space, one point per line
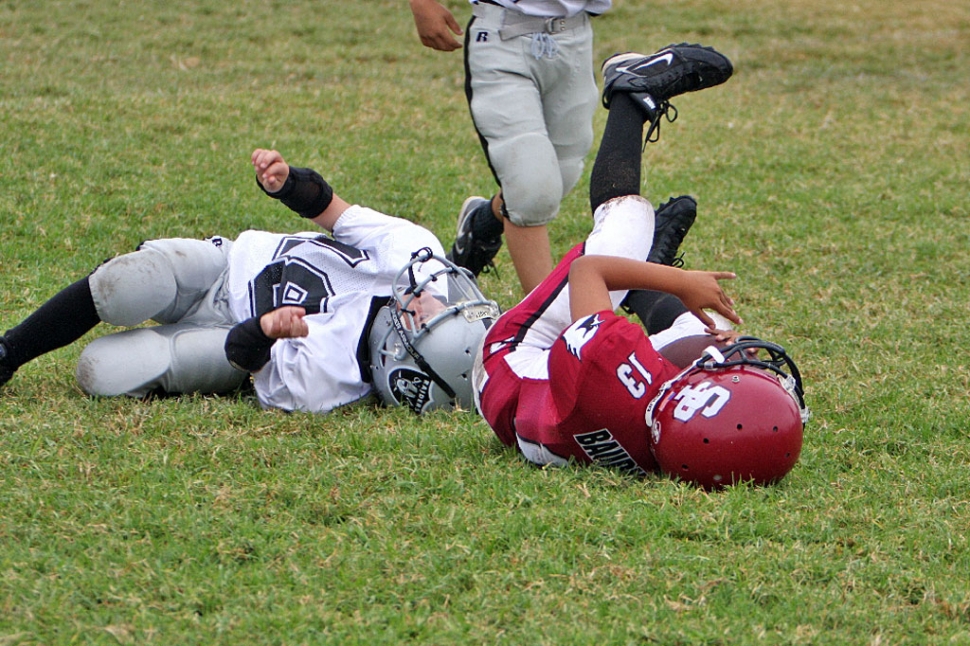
271 169
701 290
284 323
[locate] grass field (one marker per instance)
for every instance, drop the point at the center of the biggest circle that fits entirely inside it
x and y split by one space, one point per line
832 175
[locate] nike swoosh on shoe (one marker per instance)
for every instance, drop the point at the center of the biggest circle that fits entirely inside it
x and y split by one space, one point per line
667 58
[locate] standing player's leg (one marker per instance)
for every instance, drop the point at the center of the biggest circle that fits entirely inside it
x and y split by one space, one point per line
507 113
534 120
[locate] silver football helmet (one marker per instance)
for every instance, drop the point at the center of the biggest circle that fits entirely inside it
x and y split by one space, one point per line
423 342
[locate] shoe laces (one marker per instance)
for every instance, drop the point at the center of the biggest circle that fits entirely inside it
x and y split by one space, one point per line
664 109
491 268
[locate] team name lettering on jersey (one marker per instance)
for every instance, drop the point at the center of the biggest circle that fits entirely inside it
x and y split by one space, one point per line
705 398
606 451
627 374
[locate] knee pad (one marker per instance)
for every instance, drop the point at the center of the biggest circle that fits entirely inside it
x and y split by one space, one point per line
622 226
570 170
133 288
161 281
177 359
531 180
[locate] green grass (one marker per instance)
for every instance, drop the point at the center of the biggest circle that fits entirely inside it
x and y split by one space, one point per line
832 175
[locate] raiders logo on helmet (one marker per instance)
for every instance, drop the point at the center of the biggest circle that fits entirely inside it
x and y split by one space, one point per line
410 388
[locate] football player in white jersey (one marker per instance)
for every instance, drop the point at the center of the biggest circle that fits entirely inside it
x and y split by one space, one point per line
320 321
531 90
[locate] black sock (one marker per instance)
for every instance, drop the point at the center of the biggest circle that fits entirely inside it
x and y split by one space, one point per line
616 171
58 322
656 310
485 226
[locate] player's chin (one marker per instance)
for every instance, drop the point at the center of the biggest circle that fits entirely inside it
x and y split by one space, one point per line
688 349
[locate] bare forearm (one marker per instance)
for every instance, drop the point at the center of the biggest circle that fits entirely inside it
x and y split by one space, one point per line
592 278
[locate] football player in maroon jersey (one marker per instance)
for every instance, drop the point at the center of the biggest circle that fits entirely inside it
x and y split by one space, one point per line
564 378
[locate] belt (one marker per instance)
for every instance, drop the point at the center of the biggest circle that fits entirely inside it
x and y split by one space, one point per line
516 24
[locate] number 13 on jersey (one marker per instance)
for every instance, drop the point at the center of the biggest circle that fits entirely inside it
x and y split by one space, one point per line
634 376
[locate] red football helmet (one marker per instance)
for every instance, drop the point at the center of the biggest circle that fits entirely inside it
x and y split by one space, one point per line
730 417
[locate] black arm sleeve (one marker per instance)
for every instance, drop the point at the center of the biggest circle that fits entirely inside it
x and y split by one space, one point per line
247 348
304 191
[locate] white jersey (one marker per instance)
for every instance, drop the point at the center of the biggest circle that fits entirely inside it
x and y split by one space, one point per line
554 8
335 279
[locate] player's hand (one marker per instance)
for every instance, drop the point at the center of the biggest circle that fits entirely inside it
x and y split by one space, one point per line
436 25
284 323
703 291
271 169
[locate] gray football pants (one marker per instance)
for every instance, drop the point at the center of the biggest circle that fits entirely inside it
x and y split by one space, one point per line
179 283
534 115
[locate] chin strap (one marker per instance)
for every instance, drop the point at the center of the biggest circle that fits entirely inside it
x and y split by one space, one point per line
417 356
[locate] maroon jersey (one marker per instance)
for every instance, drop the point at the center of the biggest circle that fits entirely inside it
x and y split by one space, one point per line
561 390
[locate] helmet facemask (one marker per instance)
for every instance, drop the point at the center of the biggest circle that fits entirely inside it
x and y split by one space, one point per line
744 352
423 343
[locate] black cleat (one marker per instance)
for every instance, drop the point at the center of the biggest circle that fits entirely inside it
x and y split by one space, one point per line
472 253
673 220
653 80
